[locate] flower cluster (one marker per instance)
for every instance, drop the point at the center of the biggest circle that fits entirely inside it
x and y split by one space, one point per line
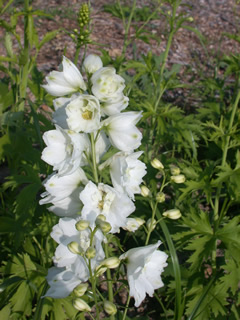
89 119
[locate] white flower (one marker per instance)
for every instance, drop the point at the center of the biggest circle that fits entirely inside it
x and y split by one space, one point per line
107 85
111 108
59 117
122 131
67 207
64 233
105 200
83 114
92 63
62 281
68 81
64 150
127 172
144 268
59 187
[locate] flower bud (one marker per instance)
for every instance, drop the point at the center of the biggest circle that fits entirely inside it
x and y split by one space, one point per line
179 178
101 217
81 305
151 224
145 192
111 263
190 19
92 63
160 197
172 214
157 164
104 226
80 289
82 225
110 308
90 253
174 170
74 247
100 270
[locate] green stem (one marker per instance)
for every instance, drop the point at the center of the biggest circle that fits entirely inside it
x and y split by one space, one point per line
26 54
94 162
76 55
126 308
93 282
224 157
126 31
176 268
150 229
109 281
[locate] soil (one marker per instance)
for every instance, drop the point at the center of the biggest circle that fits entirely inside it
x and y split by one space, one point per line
212 18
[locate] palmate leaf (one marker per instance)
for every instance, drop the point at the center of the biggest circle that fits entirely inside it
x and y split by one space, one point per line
211 306
21 301
231 276
202 247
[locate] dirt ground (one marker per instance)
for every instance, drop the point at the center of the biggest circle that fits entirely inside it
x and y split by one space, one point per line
212 18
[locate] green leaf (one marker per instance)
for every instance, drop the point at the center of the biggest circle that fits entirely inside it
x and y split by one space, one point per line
8 282
47 37
22 300
8 225
231 276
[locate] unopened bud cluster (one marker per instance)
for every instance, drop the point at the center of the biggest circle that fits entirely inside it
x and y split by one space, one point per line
81 36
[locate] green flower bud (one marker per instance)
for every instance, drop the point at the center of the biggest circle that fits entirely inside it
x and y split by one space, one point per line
80 289
110 308
100 270
179 178
145 192
174 170
81 305
151 224
160 197
111 263
90 253
104 226
82 225
173 214
157 164
74 247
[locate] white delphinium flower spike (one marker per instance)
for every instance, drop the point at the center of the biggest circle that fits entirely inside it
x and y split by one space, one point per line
122 131
105 200
68 81
127 172
144 268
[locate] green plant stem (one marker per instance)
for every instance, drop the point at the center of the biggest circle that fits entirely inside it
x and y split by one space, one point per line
126 307
150 229
76 55
94 162
93 282
126 27
224 156
109 281
176 268
26 54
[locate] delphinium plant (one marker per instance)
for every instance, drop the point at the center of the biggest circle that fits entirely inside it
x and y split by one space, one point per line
97 173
